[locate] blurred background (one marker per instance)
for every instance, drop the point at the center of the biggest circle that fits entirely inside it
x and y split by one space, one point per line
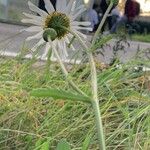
11 10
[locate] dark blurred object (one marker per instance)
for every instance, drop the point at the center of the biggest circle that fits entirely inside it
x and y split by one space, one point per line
104 6
144 27
96 8
141 27
132 9
42 4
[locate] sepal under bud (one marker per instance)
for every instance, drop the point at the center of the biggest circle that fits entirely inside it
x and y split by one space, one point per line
49 33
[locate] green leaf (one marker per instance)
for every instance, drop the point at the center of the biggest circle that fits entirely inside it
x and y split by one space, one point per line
59 94
63 145
86 142
38 143
102 41
45 146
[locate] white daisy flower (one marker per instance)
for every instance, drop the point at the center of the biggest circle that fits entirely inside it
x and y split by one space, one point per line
64 15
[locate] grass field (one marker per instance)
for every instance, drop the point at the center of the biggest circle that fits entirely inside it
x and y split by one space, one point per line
141 38
27 122
30 122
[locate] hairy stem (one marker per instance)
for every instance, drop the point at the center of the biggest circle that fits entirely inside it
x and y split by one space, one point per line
64 70
95 104
95 101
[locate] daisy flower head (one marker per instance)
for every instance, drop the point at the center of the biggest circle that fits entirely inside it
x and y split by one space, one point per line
65 15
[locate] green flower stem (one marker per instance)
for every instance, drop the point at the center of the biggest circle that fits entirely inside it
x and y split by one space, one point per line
99 125
95 104
48 63
94 101
102 23
64 70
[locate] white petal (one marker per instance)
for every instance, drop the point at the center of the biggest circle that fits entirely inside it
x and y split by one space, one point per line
73 6
69 6
83 28
80 7
72 47
79 13
36 36
36 9
37 45
77 9
49 7
59 45
79 33
61 5
67 41
65 48
78 23
72 11
60 49
32 21
34 17
32 29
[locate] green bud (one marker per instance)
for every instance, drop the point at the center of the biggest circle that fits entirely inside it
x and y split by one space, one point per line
115 2
49 33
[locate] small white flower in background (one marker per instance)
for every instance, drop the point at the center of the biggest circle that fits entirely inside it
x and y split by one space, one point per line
64 15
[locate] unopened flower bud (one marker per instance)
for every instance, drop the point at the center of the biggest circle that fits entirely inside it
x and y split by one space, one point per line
49 33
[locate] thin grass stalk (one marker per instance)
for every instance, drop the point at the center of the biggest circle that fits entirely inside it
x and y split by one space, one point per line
101 24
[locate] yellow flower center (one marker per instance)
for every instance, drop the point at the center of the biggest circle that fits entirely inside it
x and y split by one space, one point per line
57 21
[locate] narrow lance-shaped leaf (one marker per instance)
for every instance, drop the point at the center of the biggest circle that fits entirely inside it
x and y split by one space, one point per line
63 145
101 42
45 146
59 94
86 142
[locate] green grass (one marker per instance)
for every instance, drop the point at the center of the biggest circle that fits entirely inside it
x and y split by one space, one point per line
26 122
141 37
